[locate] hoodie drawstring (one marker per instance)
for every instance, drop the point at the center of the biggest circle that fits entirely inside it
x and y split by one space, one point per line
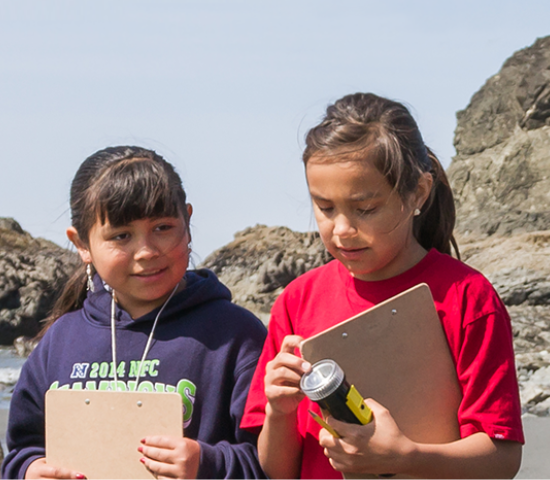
149 340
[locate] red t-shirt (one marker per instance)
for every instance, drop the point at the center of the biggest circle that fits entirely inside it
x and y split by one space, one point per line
475 321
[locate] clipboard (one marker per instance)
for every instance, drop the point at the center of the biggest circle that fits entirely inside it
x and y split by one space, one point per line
98 432
396 353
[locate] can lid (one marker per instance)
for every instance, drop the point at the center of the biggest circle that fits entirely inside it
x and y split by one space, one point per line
322 380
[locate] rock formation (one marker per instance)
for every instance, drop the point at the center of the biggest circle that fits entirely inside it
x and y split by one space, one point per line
500 174
262 260
31 272
501 181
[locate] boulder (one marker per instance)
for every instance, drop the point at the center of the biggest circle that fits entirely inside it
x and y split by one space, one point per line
32 271
262 260
501 185
500 177
500 174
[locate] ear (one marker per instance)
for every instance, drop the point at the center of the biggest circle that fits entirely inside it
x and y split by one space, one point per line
189 208
83 250
423 190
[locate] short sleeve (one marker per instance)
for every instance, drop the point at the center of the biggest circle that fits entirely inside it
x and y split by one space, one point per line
486 372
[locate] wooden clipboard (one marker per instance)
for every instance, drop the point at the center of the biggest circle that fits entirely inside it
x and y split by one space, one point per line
98 432
396 353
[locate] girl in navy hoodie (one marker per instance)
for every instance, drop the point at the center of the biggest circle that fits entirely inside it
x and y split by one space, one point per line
174 329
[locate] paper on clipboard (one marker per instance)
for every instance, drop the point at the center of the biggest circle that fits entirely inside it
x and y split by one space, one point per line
397 353
98 432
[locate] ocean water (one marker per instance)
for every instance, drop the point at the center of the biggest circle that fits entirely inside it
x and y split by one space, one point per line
10 368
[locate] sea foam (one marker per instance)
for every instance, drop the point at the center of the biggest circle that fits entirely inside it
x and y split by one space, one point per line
9 376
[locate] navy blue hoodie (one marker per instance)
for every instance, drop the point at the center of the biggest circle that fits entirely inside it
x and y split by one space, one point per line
204 348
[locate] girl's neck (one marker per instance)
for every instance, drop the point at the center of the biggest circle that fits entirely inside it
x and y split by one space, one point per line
139 310
405 260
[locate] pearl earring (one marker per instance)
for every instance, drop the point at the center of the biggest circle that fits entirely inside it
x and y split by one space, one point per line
90 285
416 212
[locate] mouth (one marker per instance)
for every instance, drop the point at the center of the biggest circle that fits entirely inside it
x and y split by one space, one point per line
351 249
149 273
352 253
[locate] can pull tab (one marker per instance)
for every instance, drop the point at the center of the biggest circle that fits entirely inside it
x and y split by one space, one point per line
356 404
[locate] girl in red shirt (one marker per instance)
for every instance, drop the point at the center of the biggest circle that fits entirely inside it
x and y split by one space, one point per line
385 212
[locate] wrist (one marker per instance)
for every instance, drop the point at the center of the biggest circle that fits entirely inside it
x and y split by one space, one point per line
410 458
273 413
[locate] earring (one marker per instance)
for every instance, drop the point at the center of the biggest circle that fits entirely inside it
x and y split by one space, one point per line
416 212
90 285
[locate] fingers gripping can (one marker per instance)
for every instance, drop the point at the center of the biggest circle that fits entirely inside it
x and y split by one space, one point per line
326 385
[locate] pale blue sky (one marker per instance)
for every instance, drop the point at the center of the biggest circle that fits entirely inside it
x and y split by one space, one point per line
226 90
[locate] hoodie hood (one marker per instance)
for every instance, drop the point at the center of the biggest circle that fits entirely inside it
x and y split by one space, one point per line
202 286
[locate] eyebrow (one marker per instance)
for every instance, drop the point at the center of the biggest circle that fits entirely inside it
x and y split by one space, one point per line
354 198
108 229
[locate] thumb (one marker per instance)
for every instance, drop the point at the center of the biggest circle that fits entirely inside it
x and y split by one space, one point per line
376 408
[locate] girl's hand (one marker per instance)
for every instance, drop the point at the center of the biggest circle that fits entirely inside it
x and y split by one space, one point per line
171 457
378 447
40 469
282 377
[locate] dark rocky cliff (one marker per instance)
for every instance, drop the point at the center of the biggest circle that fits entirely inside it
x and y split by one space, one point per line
262 260
501 181
500 175
31 272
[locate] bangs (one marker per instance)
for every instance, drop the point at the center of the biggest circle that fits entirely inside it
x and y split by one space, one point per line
134 189
362 143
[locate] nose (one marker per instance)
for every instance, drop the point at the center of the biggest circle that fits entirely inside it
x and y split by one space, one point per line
146 249
343 226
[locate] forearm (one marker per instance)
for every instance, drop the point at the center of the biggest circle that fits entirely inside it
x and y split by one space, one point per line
279 446
476 456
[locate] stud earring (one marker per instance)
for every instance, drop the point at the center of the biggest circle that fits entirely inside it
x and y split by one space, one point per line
416 212
90 285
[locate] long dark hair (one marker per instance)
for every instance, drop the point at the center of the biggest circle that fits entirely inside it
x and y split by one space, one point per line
364 121
118 185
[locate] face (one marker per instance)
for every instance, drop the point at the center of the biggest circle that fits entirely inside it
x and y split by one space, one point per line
362 221
142 261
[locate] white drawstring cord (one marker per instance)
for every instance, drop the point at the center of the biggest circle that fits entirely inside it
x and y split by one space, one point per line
149 340
146 351
113 337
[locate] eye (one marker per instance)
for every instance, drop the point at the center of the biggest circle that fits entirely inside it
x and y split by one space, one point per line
324 207
120 236
165 226
365 211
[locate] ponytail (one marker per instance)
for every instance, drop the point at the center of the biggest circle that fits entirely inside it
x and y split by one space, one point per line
433 228
72 298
